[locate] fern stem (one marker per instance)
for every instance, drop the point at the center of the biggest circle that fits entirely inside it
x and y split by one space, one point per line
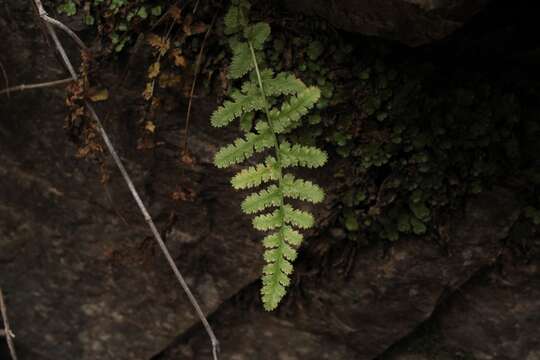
266 110
281 234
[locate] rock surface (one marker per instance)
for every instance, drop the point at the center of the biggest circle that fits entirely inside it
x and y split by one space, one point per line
385 296
412 22
496 316
247 335
84 280
82 276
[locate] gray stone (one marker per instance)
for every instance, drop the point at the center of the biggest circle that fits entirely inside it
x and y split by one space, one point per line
496 315
385 297
247 335
412 22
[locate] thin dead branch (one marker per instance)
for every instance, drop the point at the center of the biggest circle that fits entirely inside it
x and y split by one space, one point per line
193 84
49 22
24 87
7 330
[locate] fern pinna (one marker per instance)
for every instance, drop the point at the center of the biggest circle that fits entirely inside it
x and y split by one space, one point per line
268 106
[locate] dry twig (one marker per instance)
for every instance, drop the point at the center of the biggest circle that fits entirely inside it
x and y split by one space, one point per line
7 330
48 21
35 86
197 68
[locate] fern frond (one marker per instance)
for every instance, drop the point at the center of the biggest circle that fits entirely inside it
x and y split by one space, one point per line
226 113
242 149
266 198
246 121
256 175
241 62
266 137
285 267
271 241
231 20
273 288
257 34
248 102
268 221
302 189
299 218
252 85
230 110
301 155
292 236
283 84
284 253
287 118
259 92
279 267
235 18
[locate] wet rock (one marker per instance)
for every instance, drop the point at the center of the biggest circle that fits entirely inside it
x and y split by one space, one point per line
386 296
495 316
412 22
254 334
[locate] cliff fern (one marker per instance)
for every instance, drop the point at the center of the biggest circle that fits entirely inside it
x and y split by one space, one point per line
268 106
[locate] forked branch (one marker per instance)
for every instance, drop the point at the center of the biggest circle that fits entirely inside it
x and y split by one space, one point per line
7 330
24 87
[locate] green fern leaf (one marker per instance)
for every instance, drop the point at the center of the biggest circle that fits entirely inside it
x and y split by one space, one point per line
235 18
249 102
292 236
226 113
302 189
246 121
257 34
301 155
256 175
242 149
266 137
273 290
241 62
281 255
287 118
230 110
271 241
283 84
277 271
268 197
268 221
251 86
231 20
299 218
257 94
270 269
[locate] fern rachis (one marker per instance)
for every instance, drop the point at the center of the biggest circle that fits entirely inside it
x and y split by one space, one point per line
259 96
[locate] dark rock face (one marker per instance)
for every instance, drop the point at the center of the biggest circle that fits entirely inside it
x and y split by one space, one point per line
247 335
386 296
84 280
412 22
82 276
496 315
